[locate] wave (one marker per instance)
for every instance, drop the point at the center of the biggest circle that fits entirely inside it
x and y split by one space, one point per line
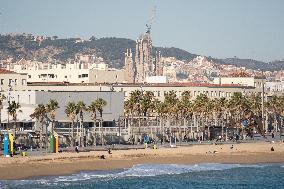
149 170
140 170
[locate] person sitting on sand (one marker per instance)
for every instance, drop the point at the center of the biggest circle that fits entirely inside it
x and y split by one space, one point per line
102 157
272 149
109 152
232 147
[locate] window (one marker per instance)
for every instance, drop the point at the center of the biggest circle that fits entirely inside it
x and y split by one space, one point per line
10 81
65 76
159 94
29 76
51 75
24 81
2 81
84 75
79 76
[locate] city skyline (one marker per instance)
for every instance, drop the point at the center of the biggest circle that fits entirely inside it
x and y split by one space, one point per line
219 29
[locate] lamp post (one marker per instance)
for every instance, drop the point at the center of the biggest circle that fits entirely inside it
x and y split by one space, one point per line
262 103
139 122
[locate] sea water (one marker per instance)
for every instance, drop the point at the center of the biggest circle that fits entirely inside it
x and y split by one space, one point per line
204 175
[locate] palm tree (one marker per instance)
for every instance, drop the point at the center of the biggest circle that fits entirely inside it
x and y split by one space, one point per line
81 107
132 106
13 109
275 107
220 112
92 108
51 108
71 112
171 102
238 104
201 109
39 114
100 103
161 110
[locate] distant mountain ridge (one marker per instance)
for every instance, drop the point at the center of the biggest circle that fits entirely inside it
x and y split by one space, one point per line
110 48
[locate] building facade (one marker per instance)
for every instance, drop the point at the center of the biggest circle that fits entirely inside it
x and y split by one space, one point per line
159 90
30 99
12 81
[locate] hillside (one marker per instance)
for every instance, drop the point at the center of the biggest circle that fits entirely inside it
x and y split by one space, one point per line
111 49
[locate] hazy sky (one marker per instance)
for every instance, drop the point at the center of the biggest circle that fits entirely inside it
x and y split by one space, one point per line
219 28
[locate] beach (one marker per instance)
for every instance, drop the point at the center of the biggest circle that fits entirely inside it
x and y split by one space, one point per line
70 162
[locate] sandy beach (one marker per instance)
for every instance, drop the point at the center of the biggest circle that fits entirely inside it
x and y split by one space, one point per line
68 163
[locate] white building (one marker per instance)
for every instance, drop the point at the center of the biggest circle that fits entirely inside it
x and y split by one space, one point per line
67 73
243 81
274 86
12 81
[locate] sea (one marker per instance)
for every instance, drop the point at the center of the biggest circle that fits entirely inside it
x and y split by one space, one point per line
203 175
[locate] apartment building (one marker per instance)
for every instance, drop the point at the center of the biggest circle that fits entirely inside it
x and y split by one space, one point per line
10 80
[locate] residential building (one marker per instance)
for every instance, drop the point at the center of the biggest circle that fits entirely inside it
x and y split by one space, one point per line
10 80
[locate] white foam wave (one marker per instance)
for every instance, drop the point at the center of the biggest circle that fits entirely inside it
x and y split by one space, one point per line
144 170
140 170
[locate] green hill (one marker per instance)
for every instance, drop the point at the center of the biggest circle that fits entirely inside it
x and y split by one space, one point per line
110 48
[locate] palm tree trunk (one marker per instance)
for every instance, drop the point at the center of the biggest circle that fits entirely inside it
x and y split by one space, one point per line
14 129
40 135
94 133
72 133
46 138
102 132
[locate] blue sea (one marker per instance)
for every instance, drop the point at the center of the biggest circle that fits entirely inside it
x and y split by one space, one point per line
204 175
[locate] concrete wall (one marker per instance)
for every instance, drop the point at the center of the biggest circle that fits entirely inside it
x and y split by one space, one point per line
107 76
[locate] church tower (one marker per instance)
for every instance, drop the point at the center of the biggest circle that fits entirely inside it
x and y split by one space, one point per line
128 66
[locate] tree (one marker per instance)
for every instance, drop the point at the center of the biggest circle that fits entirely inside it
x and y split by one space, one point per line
71 112
13 109
239 107
92 108
201 108
81 107
51 108
275 106
146 102
100 103
39 114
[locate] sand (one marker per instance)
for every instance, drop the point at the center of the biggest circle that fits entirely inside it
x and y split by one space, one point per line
68 163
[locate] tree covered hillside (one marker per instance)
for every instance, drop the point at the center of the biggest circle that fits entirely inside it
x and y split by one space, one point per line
110 48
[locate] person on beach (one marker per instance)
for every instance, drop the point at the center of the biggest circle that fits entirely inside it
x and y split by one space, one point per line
109 152
77 149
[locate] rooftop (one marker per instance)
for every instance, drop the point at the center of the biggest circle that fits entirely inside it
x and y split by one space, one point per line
141 84
4 71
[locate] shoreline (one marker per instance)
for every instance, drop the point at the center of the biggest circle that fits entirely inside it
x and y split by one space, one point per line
68 163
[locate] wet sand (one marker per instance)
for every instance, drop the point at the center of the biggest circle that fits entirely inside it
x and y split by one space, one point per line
68 163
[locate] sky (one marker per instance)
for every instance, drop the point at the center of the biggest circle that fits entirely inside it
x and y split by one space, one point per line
251 29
